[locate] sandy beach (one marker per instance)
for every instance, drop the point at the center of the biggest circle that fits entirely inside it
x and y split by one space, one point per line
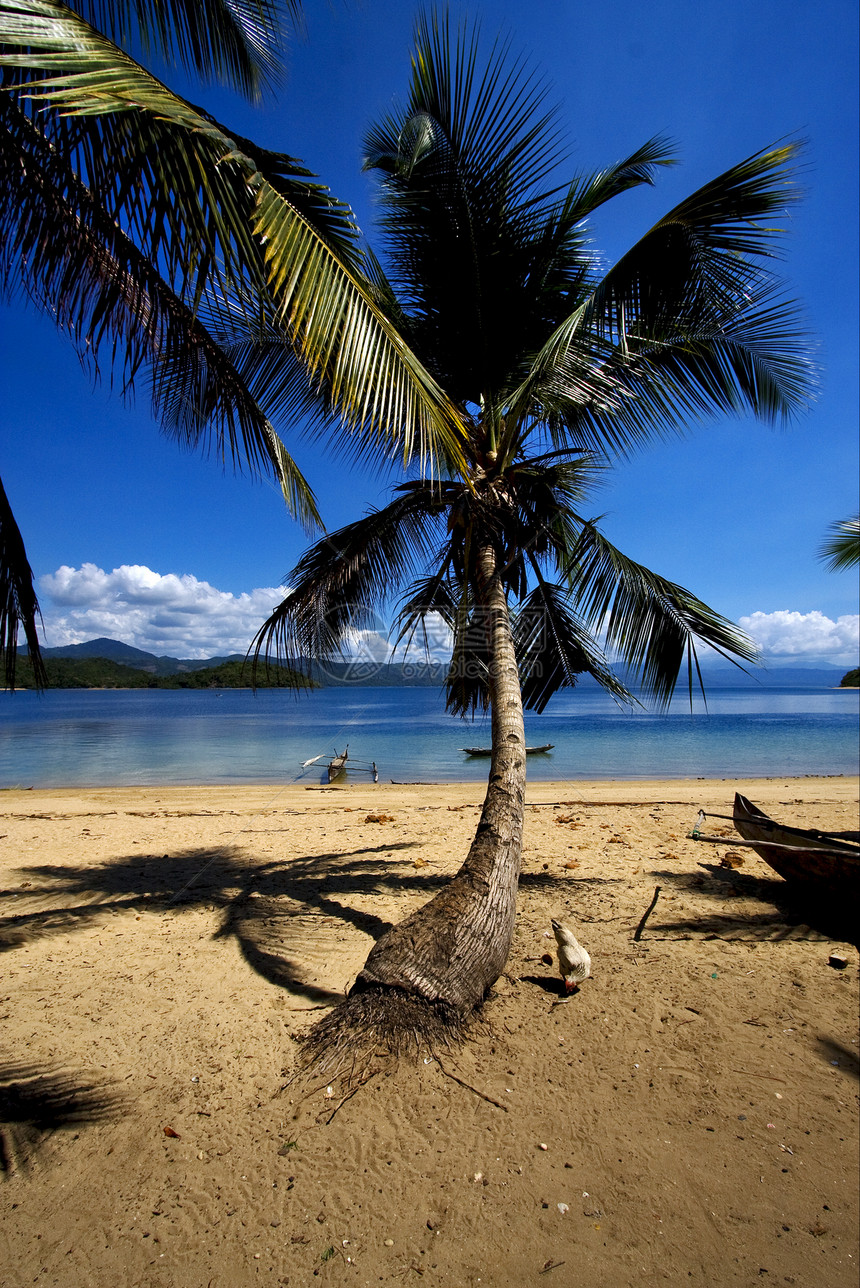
690 1116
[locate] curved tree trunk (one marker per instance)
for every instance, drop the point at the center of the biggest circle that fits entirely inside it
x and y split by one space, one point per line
451 951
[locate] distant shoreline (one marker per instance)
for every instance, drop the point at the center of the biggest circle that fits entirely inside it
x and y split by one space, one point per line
263 795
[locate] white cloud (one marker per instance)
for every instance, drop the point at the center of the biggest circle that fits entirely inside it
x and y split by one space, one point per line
810 637
378 645
163 613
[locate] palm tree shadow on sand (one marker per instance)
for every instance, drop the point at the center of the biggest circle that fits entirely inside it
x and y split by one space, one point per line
37 1102
286 916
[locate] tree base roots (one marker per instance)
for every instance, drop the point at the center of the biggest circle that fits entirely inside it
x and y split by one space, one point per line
371 1030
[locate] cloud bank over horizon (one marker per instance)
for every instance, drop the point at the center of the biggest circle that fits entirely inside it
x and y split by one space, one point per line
180 616
787 636
162 613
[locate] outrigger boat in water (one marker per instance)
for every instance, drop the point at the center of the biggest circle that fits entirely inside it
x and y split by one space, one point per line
340 763
823 862
488 751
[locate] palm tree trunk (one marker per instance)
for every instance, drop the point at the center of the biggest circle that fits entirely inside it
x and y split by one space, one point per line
451 951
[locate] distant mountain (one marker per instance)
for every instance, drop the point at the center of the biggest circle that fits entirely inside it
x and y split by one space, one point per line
83 672
380 675
332 674
128 655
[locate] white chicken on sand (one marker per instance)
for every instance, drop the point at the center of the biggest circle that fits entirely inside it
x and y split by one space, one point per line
573 961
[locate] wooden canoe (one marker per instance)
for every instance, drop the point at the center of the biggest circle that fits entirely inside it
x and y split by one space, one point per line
488 751
340 763
826 862
337 764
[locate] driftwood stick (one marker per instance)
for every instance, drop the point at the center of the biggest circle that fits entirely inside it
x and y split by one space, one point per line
469 1087
638 932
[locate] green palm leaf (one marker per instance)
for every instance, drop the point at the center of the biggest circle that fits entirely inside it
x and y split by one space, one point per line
554 648
434 595
841 550
456 161
689 322
103 292
467 684
212 202
236 42
19 607
587 193
334 588
451 598
653 624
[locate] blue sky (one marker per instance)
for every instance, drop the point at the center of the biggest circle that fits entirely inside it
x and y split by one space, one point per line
130 538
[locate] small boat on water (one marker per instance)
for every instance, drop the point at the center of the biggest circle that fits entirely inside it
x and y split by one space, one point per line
821 862
337 764
340 763
488 751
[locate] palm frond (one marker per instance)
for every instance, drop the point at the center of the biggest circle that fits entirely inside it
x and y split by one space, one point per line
460 164
588 193
211 203
492 116
841 550
467 684
756 360
554 647
610 394
334 588
434 595
76 263
653 624
19 607
701 259
689 322
238 43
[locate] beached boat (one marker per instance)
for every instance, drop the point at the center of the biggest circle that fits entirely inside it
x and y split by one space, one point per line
826 861
488 751
819 862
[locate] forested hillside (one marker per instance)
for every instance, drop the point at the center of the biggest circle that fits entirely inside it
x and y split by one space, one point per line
102 673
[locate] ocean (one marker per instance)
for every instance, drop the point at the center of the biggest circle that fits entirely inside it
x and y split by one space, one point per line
95 738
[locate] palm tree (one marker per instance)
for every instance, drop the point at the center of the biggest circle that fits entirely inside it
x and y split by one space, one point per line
139 222
556 368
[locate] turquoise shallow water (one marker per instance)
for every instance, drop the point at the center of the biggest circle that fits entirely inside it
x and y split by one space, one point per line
97 738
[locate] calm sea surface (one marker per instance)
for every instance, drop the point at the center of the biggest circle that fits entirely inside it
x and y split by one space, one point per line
98 738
